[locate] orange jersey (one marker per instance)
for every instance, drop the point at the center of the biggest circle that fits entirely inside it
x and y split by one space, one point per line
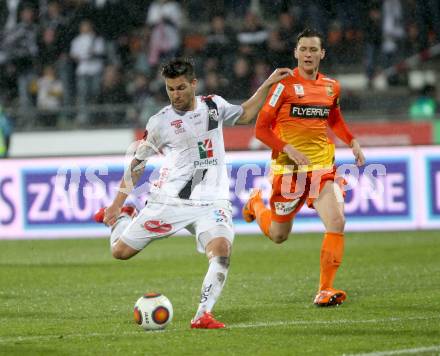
299 111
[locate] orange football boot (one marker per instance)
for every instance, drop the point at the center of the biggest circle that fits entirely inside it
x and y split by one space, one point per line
330 297
248 212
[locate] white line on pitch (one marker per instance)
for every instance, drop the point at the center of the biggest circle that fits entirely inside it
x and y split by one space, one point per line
325 322
15 339
416 350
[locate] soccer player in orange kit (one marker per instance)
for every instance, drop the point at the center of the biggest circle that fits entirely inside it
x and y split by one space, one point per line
293 123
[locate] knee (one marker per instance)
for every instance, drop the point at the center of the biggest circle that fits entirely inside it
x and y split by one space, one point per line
279 238
219 247
223 248
337 223
120 254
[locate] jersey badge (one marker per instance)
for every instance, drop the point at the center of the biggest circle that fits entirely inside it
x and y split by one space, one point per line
178 126
299 89
329 89
212 114
205 148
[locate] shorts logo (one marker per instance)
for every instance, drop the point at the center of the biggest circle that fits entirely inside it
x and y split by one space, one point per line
205 148
220 216
276 94
285 208
157 226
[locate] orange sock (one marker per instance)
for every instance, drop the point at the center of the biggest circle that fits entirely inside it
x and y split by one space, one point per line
263 216
332 250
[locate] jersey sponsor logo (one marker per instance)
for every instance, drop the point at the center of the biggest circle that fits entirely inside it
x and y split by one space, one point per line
205 148
206 154
157 226
299 89
310 112
285 208
276 94
203 163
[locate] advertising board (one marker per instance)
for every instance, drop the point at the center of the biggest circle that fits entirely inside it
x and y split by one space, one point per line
398 189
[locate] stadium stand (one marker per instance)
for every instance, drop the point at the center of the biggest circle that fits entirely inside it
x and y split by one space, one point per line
94 63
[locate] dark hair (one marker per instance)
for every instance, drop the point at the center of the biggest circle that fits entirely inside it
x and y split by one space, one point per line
309 32
177 67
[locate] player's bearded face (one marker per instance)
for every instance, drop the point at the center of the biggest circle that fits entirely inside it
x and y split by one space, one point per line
181 92
309 53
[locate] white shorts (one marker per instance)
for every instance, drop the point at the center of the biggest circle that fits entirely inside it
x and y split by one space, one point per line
158 220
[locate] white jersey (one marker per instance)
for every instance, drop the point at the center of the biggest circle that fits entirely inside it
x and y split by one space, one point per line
192 144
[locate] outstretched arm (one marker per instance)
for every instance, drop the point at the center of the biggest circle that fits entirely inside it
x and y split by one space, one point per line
252 106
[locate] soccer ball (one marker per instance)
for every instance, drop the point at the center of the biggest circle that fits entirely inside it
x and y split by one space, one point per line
153 311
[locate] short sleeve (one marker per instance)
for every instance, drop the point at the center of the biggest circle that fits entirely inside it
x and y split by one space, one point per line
274 99
150 143
228 113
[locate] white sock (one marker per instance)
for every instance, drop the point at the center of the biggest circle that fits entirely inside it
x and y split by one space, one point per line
118 228
212 284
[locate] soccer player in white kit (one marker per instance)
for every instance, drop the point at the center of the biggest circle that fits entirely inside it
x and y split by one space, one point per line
192 191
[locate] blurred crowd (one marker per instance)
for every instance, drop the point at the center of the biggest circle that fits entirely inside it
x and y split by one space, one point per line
80 62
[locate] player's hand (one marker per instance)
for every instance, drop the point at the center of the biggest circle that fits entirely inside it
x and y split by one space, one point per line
296 156
277 75
111 213
357 153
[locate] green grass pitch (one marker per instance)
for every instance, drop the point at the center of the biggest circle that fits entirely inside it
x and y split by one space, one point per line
69 297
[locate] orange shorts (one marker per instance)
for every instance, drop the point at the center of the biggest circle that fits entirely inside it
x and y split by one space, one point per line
291 191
